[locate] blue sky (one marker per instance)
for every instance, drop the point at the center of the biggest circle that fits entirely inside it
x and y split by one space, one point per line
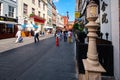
63 6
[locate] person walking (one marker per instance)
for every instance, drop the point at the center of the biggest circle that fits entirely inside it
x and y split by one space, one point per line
19 37
65 36
69 36
36 35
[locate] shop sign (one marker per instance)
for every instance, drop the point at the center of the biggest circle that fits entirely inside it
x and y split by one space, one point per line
77 14
3 18
104 15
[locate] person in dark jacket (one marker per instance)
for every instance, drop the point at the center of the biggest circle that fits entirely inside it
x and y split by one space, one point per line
36 36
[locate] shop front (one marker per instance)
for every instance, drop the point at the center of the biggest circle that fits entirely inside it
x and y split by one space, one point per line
8 27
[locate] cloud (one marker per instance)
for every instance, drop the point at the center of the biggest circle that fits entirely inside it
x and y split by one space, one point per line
55 0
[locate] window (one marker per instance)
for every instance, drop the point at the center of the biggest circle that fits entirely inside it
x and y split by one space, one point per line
25 8
0 8
44 16
11 11
7 29
13 0
33 1
39 3
33 11
43 6
39 13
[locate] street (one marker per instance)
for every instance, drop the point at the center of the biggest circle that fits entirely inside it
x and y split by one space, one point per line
39 61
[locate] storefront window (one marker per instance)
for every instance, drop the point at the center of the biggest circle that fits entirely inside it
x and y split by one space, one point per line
10 28
6 28
2 28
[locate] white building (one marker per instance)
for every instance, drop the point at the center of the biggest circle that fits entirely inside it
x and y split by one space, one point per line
59 21
8 8
111 24
49 14
8 18
32 12
105 18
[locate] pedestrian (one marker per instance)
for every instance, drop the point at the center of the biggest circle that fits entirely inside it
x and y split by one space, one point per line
36 35
69 36
19 37
57 41
65 36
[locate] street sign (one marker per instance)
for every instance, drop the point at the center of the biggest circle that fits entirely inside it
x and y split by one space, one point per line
77 14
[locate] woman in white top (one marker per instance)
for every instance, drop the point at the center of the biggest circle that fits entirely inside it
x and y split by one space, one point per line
18 35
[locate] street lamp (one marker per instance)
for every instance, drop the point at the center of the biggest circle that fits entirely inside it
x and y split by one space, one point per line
92 66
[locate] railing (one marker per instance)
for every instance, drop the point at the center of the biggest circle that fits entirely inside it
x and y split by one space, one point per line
105 54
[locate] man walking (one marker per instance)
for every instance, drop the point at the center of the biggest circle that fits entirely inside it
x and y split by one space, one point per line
36 35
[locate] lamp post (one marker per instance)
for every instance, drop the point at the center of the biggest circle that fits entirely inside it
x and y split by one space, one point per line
92 66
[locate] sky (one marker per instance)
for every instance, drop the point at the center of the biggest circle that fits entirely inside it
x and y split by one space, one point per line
63 6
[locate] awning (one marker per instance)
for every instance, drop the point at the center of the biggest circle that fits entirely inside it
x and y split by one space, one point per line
35 26
8 22
84 7
29 25
10 25
24 25
48 27
62 26
38 19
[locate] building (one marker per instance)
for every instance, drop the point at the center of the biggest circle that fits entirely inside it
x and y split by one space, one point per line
70 25
59 22
8 18
109 20
49 13
32 14
66 23
54 13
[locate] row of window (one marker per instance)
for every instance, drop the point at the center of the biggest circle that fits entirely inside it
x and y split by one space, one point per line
10 11
25 10
39 3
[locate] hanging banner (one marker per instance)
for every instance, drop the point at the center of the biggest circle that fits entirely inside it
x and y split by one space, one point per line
77 14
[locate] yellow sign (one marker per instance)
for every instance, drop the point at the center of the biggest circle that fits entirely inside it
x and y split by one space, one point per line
77 14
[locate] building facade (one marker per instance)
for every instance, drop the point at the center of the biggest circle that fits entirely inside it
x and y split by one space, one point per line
8 18
70 25
54 13
49 13
66 23
32 13
110 23
115 30
59 22
109 20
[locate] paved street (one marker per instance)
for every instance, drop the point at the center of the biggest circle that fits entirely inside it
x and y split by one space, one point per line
40 61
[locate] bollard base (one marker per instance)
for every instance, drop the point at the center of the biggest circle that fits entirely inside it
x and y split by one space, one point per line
92 72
